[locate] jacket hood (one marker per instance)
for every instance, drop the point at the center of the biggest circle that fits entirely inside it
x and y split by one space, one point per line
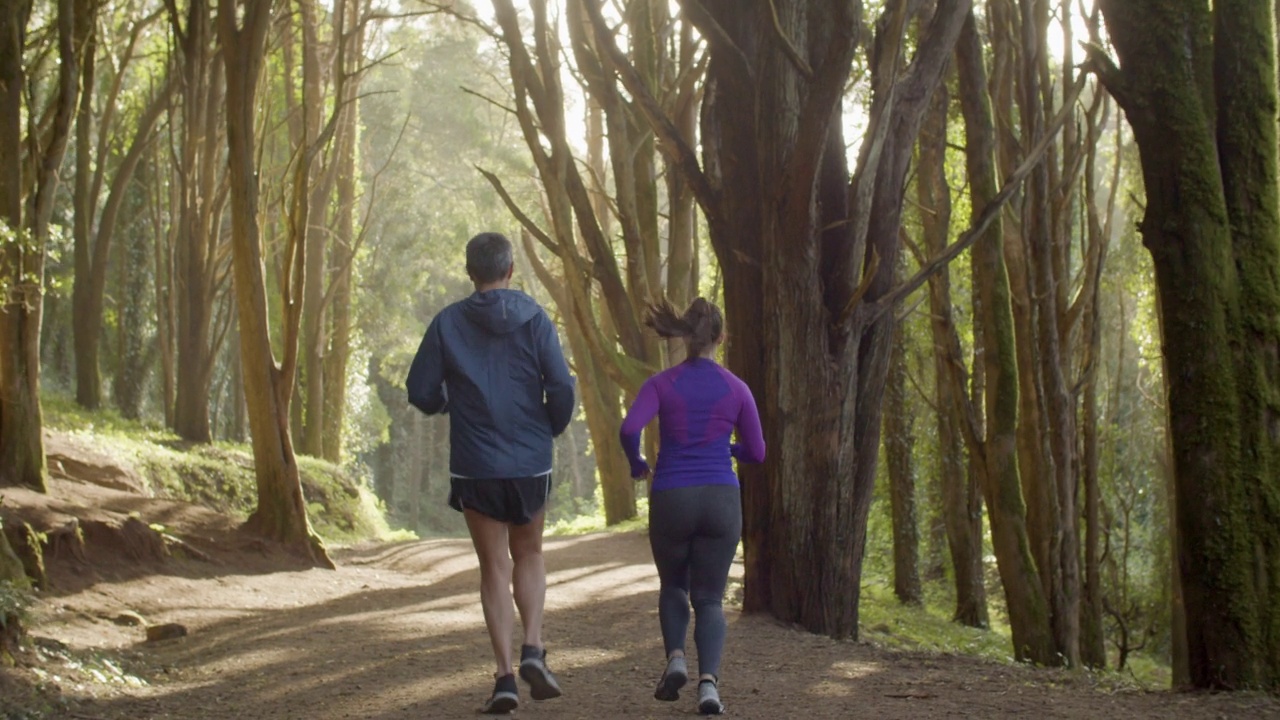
500 311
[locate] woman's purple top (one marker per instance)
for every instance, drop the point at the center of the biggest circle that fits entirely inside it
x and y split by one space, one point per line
698 404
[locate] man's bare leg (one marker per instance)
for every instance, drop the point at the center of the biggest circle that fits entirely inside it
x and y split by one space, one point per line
489 537
529 576
530 580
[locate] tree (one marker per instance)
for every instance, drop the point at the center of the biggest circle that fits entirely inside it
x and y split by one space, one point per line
281 513
194 268
808 254
899 447
961 496
22 255
1201 77
93 248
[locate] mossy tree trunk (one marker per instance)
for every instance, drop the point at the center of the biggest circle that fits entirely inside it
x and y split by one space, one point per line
1202 79
998 450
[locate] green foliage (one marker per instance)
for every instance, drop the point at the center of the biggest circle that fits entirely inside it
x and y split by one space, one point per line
593 521
927 628
14 601
220 475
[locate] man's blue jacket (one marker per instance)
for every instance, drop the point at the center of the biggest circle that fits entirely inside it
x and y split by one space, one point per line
493 362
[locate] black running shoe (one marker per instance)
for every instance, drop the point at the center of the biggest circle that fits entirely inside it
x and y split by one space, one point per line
534 670
505 698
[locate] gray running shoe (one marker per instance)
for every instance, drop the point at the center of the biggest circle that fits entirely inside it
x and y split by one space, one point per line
709 698
673 679
534 670
505 698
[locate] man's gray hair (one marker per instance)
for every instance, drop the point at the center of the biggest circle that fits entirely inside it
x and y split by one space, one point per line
488 257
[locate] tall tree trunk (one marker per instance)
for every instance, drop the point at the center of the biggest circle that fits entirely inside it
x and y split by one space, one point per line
91 263
777 193
281 513
899 445
1001 484
1203 79
1092 641
1061 573
342 252
88 380
22 460
961 500
201 196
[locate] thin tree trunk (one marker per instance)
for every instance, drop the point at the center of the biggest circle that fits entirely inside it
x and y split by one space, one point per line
88 380
1002 487
961 500
281 513
899 445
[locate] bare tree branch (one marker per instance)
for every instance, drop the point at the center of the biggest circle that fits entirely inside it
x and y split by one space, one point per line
787 46
988 214
668 135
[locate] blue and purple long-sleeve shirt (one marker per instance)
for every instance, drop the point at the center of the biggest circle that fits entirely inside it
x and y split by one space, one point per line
699 404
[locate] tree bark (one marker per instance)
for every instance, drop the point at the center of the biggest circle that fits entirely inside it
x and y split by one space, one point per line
776 192
961 500
201 198
1002 486
281 513
1203 79
899 445
22 460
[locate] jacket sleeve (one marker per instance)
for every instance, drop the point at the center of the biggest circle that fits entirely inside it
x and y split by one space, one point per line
425 383
557 383
750 445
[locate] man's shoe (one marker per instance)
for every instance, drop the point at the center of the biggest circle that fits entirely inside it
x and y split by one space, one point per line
709 698
534 670
673 679
505 698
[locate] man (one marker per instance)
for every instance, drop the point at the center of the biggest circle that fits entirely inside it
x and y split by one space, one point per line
493 362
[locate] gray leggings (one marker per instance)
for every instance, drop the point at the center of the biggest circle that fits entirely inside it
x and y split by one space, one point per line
694 533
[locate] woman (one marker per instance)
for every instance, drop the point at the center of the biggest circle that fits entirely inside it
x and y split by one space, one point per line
695 512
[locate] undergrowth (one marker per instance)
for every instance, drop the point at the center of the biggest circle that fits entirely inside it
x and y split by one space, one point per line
220 475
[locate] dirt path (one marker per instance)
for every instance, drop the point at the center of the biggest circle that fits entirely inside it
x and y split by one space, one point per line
396 632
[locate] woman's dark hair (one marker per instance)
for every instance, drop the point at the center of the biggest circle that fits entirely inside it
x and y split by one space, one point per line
488 257
701 325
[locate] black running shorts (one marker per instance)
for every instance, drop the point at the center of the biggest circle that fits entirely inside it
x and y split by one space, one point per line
508 500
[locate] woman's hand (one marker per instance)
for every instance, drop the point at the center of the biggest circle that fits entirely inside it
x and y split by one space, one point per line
640 469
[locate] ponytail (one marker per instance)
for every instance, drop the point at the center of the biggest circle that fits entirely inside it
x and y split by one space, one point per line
701 325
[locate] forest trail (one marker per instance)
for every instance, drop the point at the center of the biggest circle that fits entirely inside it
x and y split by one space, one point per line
396 632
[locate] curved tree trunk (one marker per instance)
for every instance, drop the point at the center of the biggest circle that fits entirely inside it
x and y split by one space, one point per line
281 513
